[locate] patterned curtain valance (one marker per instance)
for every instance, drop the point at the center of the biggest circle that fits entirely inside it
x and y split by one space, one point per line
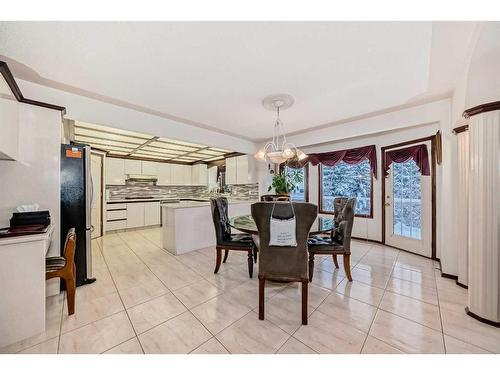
351 156
418 153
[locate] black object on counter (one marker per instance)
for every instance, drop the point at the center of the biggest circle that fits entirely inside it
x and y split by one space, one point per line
21 219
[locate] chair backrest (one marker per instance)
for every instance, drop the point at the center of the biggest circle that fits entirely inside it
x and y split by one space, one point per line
70 246
346 218
221 218
274 197
283 263
338 206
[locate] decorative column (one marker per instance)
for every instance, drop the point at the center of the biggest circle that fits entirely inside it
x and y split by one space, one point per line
462 203
484 213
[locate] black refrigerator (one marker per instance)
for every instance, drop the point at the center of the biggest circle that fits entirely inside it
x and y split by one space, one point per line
76 206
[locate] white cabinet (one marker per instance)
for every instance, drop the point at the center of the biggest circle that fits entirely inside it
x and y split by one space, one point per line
115 171
133 166
212 177
177 174
231 168
199 174
9 139
149 168
187 175
242 169
164 174
135 215
237 170
151 213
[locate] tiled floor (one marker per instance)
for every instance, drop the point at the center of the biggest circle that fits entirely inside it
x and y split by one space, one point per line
148 301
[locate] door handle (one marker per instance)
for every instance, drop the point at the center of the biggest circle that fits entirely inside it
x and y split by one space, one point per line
387 204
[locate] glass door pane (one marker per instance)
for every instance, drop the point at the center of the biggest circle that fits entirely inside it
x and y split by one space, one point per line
407 200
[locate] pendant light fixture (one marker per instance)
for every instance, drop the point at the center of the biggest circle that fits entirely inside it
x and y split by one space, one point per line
278 150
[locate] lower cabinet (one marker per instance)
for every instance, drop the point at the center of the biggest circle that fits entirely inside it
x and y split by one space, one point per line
132 215
151 213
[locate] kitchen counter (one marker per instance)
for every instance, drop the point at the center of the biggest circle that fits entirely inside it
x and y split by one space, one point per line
188 226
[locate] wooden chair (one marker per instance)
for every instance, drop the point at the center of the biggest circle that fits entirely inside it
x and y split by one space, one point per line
64 267
339 241
278 263
225 240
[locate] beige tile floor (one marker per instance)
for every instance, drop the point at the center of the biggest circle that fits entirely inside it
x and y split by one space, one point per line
146 300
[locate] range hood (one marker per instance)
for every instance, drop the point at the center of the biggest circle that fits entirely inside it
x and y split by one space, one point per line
142 178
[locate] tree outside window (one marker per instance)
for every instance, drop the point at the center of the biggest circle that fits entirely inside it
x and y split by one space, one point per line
347 180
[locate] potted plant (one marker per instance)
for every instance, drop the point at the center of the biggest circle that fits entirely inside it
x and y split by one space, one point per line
284 183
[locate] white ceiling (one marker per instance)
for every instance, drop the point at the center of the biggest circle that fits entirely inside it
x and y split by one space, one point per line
215 74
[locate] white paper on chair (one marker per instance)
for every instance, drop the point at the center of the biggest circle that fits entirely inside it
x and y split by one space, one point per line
282 232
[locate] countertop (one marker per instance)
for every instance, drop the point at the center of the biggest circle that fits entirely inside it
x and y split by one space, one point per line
173 200
191 204
28 237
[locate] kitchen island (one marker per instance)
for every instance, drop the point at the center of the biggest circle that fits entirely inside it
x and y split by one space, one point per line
188 225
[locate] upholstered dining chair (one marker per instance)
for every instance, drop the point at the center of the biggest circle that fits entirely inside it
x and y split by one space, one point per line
274 197
64 267
225 240
339 241
278 263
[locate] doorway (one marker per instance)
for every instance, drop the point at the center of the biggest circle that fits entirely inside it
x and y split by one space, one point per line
408 203
96 173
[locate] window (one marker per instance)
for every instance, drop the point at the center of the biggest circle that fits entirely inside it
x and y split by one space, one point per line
300 194
406 199
346 180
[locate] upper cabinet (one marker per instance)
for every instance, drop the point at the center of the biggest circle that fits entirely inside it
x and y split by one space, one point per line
133 166
181 174
238 170
150 168
164 174
199 174
9 139
115 171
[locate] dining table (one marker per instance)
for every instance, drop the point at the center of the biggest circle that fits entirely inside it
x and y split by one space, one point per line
246 224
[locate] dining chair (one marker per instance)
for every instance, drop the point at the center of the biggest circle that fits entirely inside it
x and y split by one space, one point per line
225 240
274 197
283 263
64 267
339 240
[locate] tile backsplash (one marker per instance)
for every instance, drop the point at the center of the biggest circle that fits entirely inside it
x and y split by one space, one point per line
149 189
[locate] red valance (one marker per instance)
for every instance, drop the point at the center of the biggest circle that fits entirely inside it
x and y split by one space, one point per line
351 156
418 153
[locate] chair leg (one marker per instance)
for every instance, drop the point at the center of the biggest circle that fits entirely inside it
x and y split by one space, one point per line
304 302
226 253
311 266
218 260
334 256
250 263
347 266
255 250
70 293
262 284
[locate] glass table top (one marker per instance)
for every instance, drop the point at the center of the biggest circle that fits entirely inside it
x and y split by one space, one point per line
245 223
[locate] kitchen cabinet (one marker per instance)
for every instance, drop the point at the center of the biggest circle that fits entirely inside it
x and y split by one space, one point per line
199 174
181 174
115 171
133 166
9 118
164 174
231 170
150 168
212 177
135 215
151 213
238 170
187 175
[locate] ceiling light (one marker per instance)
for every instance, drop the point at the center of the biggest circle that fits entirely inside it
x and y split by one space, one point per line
278 150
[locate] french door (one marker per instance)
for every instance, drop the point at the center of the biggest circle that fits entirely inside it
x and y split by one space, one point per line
408 207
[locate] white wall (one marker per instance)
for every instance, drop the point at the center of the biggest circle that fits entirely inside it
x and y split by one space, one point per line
98 112
37 178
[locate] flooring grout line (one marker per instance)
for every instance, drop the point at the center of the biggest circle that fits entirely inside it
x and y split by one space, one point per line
440 315
172 294
378 309
121 299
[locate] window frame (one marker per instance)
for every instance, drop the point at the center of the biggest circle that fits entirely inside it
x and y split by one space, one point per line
320 196
306 179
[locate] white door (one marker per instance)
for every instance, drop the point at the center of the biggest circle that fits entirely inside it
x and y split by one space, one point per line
408 207
96 215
